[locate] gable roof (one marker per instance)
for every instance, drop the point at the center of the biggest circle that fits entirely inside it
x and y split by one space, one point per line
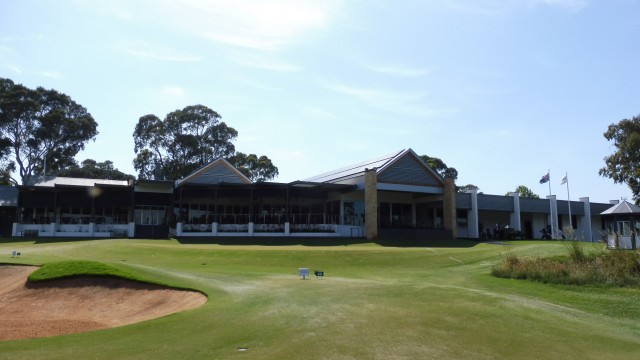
380 164
219 171
623 207
409 168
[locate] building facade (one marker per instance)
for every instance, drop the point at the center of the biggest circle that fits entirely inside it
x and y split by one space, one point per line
395 195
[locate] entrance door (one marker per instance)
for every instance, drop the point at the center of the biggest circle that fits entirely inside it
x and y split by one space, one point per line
151 222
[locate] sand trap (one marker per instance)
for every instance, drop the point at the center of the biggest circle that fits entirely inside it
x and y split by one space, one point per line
81 304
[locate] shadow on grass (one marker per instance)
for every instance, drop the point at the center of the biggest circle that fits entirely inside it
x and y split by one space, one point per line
53 240
324 241
274 241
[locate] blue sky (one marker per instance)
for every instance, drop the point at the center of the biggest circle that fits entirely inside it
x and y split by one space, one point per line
502 90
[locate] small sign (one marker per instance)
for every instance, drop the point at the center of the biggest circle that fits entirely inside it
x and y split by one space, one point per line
304 272
318 273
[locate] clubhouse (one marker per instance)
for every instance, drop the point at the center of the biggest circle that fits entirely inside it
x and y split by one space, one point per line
395 195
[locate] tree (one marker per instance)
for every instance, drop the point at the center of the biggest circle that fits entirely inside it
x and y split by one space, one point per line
188 139
440 167
91 169
257 169
184 141
40 130
623 166
524 192
467 187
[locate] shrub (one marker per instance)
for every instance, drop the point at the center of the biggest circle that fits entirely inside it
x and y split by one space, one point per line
607 267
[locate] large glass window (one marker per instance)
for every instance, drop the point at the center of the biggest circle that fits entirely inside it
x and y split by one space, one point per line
624 227
150 215
37 215
75 215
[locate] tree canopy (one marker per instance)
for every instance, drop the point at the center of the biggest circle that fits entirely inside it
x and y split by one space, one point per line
257 169
468 187
440 167
623 166
188 139
91 169
525 192
41 130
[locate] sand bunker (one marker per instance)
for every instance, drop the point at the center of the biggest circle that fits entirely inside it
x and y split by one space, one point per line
81 304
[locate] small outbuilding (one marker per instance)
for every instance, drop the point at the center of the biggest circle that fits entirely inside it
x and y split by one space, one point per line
622 223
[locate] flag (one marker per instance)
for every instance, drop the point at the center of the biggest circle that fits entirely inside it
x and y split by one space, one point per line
544 179
564 180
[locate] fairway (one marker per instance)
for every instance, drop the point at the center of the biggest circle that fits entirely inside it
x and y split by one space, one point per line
436 301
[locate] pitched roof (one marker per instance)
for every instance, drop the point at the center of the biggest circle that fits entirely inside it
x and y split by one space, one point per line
379 164
623 207
355 169
216 172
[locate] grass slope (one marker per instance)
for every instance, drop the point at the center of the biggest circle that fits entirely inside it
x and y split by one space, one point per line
375 302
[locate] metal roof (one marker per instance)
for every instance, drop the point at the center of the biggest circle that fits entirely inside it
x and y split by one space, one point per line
622 208
355 169
80 182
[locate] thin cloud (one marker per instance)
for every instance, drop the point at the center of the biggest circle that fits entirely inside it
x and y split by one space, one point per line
6 49
257 85
267 64
109 8
401 71
173 91
409 104
507 7
570 5
52 74
259 24
15 69
164 55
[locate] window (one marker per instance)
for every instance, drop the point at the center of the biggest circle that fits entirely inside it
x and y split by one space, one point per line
150 215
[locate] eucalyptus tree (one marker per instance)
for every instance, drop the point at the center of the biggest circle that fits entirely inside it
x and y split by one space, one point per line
623 166
188 139
41 130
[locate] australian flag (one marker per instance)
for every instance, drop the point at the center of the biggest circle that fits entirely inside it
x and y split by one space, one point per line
544 179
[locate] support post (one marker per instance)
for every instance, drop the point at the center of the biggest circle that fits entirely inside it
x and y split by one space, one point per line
371 204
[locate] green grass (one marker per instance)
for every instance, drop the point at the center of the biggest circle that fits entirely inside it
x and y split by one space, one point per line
74 268
436 301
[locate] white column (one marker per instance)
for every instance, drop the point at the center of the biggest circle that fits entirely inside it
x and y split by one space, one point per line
586 222
553 221
131 232
472 216
514 220
214 229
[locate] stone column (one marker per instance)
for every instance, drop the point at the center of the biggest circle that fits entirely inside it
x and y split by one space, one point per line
449 207
586 222
514 220
371 204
